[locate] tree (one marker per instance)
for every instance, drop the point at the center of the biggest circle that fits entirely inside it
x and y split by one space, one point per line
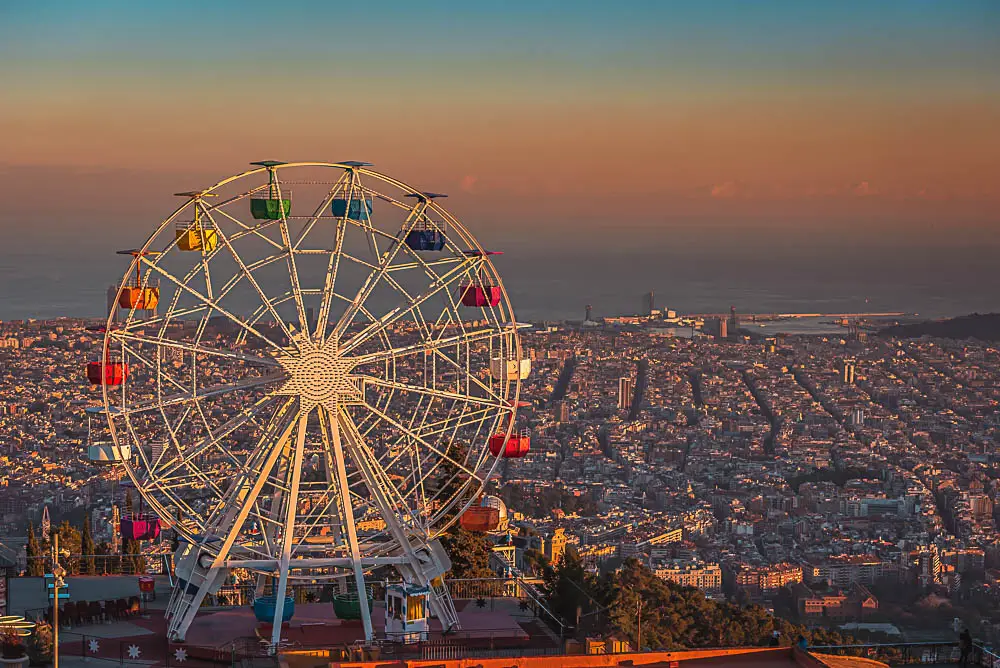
469 552
134 557
70 540
572 591
672 616
36 565
88 550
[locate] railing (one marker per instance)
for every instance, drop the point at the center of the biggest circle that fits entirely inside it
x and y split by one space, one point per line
902 653
111 564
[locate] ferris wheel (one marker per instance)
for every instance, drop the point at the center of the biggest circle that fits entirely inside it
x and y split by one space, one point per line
311 386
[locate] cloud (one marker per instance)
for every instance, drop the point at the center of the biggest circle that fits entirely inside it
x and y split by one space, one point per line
724 190
468 183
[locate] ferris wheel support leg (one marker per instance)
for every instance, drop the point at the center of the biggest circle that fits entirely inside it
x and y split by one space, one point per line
424 568
288 532
352 533
243 500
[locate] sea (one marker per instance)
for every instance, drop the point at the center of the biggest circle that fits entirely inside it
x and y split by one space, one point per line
49 279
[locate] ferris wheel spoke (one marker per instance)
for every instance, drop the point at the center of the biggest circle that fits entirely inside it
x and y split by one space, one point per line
338 186
216 435
371 282
246 230
245 488
392 509
188 396
392 316
248 275
213 303
417 438
330 282
133 353
432 392
466 338
161 342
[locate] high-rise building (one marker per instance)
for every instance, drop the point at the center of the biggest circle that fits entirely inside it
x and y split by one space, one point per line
625 386
590 312
847 370
716 327
734 321
650 303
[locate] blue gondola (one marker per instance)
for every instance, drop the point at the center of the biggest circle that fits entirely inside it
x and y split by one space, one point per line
355 211
427 239
264 608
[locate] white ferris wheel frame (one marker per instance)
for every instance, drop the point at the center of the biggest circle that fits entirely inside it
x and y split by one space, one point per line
298 387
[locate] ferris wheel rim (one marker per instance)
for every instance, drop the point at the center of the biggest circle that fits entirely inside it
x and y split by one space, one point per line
110 334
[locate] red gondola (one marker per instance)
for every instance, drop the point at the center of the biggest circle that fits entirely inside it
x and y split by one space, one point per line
480 295
140 527
109 371
513 447
480 518
106 373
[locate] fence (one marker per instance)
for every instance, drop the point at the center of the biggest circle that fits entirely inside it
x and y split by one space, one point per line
109 564
904 653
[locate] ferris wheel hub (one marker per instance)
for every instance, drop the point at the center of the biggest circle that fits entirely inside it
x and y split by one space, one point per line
318 374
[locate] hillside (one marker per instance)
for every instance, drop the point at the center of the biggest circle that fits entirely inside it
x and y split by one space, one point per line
982 326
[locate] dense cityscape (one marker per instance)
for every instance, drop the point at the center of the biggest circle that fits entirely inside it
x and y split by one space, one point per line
843 480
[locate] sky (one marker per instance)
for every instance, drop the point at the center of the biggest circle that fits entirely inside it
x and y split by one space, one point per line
560 129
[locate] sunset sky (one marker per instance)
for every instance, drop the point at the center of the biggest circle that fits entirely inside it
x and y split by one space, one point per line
657 117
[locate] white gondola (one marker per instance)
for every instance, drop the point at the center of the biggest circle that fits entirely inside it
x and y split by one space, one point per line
104 451
509 369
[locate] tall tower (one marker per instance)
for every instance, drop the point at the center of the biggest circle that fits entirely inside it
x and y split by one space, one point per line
734 321
46 523
848 369
624 393
650 303
590 312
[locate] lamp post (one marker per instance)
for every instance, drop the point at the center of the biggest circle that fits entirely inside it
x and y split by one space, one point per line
58 582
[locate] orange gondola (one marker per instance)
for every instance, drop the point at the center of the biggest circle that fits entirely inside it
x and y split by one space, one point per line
139 292
480 518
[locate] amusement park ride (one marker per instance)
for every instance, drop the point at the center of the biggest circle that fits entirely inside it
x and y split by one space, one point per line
328 386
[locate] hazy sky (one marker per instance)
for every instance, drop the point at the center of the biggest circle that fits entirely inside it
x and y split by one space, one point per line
554 125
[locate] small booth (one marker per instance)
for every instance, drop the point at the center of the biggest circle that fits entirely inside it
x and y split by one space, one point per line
406 607
271 203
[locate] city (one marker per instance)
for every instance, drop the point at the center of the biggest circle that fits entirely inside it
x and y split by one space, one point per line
500 335
843 481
